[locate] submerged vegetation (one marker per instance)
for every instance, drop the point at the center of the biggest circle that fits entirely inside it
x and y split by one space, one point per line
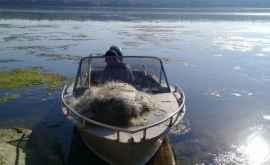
19 78
8 97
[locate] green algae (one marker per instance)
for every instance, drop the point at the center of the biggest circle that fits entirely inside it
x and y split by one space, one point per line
27 77
8 97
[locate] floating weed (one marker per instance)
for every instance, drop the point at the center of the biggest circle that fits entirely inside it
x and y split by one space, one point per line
8 97
5 26
9 60
20 78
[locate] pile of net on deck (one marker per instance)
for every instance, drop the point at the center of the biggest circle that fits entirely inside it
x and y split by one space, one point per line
117 104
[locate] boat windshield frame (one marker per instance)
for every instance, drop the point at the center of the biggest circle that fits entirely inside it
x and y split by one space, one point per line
89 59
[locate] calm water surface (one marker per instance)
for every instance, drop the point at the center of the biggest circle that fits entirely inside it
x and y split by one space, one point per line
221 58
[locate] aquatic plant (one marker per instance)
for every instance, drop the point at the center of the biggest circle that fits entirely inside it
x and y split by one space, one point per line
8 97
9 60
19 78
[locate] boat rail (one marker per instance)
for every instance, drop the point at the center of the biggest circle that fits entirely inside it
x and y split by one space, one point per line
172 118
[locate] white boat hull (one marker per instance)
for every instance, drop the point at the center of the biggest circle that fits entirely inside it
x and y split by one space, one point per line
117 153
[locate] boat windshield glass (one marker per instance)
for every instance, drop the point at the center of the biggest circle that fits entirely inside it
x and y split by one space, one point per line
144 73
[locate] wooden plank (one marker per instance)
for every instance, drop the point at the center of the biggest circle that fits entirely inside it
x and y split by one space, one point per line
164 156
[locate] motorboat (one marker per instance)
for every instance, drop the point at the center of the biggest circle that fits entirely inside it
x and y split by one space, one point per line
132 144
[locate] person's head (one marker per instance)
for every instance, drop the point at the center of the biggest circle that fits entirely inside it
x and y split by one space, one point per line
112 57
117 50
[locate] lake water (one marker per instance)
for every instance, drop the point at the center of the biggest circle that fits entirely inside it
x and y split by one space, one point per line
220 57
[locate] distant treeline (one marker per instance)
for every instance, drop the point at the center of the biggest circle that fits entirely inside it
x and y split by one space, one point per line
141 3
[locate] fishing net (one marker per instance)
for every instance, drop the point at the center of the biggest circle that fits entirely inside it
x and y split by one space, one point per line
115 103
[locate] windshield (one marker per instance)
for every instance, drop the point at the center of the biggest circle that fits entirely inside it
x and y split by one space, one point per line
144 73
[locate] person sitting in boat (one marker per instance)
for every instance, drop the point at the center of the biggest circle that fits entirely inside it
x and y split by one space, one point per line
116 69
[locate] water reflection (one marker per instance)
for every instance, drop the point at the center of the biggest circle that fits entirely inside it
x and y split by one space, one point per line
256 148
222 66
266 117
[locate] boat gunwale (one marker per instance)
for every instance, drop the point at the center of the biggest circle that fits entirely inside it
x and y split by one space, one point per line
176 114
